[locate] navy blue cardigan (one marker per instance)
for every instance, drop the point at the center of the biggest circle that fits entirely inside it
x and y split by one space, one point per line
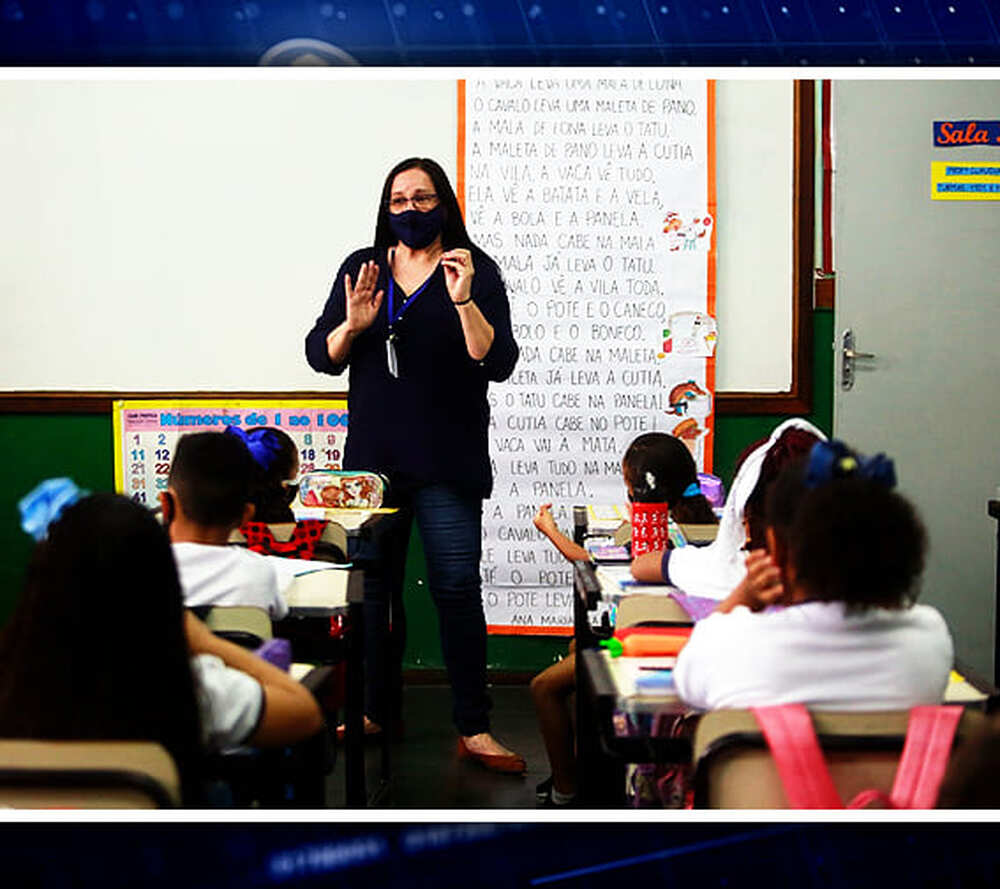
429 425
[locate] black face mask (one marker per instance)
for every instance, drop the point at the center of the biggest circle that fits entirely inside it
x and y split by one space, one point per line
416 229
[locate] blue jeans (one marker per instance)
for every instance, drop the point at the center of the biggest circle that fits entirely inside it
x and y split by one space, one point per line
450 525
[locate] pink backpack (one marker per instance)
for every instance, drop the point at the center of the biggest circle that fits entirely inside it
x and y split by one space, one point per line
789 733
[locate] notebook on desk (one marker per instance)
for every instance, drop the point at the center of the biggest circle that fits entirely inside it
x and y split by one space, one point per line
311 584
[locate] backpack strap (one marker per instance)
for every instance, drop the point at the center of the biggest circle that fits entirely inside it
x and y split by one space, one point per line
790 735
929 737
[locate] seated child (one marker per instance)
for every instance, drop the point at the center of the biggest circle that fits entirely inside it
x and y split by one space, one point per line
657 468
96 649
276 460
207 497
712 571
272 492
844 553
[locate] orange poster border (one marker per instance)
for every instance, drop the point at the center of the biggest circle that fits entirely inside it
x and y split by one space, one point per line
528 630
460 152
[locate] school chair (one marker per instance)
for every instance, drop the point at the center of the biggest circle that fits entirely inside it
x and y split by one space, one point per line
87 775
246 625
290 776
734 768
330 545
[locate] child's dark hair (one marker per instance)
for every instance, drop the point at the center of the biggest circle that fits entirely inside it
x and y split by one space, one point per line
792 444
275 458
660 469
212 474
95 648
850 539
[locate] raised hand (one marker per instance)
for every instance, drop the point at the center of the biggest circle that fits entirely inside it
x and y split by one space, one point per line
362 301
543 520
762 585
458 272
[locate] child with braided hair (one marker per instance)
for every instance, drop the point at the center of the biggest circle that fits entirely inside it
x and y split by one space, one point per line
656 468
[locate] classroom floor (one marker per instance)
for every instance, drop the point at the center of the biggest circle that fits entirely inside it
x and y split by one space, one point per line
426 774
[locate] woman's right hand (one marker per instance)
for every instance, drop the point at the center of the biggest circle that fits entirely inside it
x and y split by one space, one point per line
362 301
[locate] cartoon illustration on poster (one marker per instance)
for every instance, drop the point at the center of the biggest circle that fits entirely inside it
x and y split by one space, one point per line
691 334
690 232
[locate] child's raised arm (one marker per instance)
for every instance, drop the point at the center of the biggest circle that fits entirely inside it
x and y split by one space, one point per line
544 522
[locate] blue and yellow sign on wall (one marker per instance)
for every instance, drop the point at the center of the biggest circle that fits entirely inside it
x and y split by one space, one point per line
978 181
964 133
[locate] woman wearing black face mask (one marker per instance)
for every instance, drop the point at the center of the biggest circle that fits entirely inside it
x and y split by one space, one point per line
423 321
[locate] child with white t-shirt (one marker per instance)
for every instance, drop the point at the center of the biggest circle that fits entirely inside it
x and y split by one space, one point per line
844 554
207 496
99 645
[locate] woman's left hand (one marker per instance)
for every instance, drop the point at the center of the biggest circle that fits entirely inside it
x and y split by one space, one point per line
458 272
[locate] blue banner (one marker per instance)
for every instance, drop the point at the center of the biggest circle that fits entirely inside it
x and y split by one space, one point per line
962 133
499 32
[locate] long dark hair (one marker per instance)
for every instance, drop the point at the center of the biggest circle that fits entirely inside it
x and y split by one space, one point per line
659 468
96 648
453 234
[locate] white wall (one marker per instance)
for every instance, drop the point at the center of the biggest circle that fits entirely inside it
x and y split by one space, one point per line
181 235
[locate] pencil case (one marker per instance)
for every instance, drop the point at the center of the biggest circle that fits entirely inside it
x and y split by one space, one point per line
651 641
337 489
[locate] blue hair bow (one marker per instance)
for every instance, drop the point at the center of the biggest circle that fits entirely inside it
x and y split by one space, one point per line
262 444
830 460
46 502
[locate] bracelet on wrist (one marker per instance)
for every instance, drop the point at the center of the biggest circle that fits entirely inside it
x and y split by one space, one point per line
462 302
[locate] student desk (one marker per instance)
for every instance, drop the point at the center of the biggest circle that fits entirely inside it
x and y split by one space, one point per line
604 701
324 615
617 724
326 622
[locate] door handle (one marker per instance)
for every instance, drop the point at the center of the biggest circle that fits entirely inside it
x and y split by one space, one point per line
848 355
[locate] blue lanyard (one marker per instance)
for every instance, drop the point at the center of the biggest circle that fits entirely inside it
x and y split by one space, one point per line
394 316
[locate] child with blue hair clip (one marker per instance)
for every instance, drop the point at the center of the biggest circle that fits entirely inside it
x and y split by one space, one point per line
843 557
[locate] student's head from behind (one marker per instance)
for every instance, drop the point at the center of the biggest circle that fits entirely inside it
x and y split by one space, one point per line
95 647
431 197
839 531
659 468
276 464
793 444
210 479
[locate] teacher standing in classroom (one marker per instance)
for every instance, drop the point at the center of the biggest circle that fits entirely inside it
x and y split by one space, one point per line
423 321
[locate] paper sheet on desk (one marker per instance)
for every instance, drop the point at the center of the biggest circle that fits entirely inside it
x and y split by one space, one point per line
960 691
288 569
620 577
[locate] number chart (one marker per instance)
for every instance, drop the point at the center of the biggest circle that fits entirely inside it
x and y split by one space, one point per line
146 434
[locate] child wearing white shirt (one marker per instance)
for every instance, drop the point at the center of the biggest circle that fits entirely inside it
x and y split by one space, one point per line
207 496
844 553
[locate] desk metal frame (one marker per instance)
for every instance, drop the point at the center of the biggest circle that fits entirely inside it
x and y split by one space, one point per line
601 754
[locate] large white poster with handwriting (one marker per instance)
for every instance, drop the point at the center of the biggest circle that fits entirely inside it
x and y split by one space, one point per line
596 197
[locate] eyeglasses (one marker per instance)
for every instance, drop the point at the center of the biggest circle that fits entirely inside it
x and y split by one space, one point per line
420 201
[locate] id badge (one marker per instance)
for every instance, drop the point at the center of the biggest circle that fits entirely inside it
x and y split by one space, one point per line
390 355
